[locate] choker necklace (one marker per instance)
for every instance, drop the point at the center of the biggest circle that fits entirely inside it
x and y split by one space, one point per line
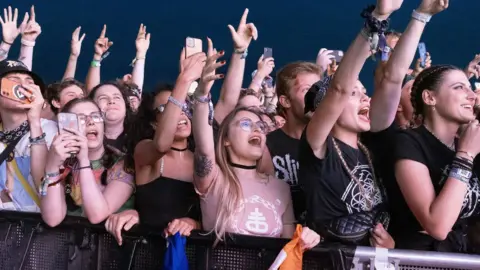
253 167
178 149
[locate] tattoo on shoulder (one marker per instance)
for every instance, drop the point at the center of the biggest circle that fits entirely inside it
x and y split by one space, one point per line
202 165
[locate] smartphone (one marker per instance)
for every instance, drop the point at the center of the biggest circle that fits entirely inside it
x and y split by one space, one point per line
67 120
192 46
338 54
422 50
267 53
11 90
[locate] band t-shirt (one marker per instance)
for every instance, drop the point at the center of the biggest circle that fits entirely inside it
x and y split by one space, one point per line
284 152
22 195
263 211
420 145
330 190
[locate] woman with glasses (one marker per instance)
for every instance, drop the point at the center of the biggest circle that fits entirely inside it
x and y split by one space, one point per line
82 177
235 197
158 147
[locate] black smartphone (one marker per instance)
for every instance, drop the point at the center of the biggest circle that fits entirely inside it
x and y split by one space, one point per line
267 53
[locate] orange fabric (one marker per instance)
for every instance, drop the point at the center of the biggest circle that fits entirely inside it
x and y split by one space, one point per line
294 252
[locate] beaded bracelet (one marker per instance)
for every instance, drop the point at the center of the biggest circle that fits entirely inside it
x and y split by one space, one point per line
38 139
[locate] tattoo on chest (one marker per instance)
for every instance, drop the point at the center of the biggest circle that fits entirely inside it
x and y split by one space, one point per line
202 165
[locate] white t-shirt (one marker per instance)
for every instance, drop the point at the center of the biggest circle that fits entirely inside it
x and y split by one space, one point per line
19 168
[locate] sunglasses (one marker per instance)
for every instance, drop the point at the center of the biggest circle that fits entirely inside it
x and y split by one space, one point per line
248 125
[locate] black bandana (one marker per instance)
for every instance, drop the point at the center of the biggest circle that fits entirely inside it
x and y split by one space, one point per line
12 135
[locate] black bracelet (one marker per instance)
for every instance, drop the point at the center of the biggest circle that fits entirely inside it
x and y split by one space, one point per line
7 42
37 139
81 168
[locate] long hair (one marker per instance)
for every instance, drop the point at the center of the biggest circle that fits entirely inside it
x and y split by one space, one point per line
230 190
109 157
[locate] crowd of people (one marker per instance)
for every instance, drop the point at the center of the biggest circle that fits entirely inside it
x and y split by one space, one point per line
311 148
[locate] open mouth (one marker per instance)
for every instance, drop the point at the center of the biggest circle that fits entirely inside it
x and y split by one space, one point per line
255 141
182 123
364 114
92 135
468 107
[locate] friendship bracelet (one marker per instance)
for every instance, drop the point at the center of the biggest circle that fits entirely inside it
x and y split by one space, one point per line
37 139
421 17
466 153
243 54
28 43
81 168
7 42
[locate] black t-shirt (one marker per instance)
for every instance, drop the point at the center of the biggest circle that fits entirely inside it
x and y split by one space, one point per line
330 190
118 143
422 146
284 152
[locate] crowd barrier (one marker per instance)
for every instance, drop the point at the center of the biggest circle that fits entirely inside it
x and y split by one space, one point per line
27 243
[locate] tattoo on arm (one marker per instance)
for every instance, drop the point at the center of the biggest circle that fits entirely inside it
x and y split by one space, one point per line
202 165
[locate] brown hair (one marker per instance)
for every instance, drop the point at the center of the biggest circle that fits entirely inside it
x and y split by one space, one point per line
53 91
288 74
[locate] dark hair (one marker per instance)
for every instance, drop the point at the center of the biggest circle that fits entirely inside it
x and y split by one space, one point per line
141 128
393 33
430 78
129 115
248 92
109 157
54 90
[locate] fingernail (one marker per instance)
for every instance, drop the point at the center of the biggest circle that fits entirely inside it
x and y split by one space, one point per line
221 52
223 62
221 76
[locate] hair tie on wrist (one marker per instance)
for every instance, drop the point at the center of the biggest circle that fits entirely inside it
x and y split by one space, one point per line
7 42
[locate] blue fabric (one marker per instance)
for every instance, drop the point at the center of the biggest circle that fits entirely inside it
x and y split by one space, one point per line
175 256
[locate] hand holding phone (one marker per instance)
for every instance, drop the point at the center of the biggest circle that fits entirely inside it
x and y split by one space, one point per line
68 121
422 50
338 54
267 53
193 46
11 90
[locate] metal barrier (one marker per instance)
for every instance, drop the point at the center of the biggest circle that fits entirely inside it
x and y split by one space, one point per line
27 243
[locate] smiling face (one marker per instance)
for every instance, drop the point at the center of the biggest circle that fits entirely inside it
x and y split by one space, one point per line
91 121
111 103
454 99
246 138
355 117
184 128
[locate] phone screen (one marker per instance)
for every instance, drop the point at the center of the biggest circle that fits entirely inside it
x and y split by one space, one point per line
192 46
338 55
67 120
422 50
11 90
267 53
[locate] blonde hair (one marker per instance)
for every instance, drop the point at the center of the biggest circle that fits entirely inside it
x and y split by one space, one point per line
230 190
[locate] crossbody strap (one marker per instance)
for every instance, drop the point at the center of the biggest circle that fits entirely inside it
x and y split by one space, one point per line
9 149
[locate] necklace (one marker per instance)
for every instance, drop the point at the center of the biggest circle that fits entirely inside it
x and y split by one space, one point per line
240 166
178 149
451 147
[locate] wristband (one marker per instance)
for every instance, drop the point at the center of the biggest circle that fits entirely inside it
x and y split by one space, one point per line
466 153
421 17
47 182
135 60
243 54
460 174
202 99
95 63
82 168
175 102
28 43
38 139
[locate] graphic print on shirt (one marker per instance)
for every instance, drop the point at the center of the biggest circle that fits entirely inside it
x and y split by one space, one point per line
286 169
470 201
353 197
259 217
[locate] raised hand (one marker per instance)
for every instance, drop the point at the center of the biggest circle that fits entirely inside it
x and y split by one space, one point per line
102 44
9 25
76 45
244 34
265 66
31 30
81 142
143 41
433 7
418 64
33 93
324 58
473 68
385 8
209 71
191 68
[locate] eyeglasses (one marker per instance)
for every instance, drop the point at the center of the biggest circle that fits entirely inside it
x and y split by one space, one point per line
96 117
248 125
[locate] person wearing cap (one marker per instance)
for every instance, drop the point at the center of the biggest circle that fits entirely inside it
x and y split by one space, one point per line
24 136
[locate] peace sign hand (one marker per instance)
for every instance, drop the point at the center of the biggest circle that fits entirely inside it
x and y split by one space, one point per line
244 34
102 44
30 30
76 45
142 42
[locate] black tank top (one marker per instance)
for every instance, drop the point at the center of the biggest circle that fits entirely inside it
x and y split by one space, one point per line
284 152
165 199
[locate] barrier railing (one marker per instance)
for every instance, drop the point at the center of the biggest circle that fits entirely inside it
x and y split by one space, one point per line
27 243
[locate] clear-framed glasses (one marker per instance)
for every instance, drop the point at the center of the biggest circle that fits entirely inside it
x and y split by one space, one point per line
186 108
96 117
248 125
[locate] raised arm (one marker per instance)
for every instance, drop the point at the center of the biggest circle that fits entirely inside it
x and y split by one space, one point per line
101 47
230 91
75 49
142 44
10 31
342 85
204 162
30 32
385 100
148 151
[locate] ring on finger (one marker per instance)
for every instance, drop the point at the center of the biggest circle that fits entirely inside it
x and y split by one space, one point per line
31 98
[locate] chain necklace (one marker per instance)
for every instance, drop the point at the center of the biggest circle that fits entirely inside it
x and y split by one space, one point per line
451 147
